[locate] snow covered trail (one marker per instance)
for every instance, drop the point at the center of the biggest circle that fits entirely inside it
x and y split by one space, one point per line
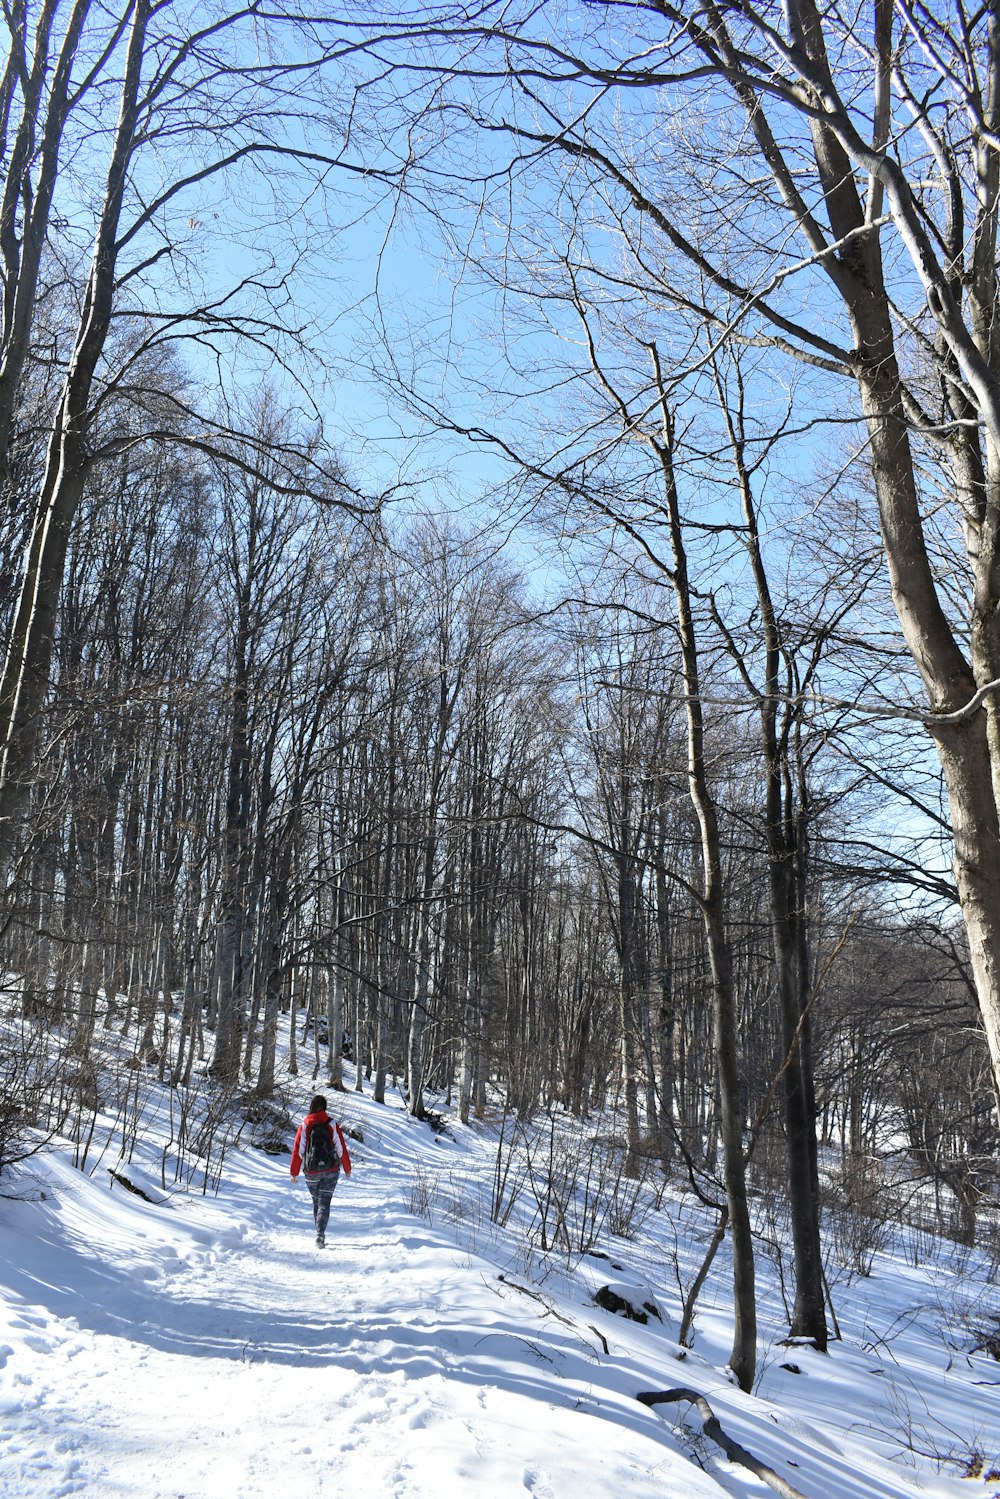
205 1349
163 1351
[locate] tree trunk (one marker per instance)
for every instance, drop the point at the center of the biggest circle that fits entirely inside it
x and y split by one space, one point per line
28 659
743 1358
788 917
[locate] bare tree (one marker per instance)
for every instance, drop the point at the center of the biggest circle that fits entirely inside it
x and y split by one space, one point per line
826 187
162 111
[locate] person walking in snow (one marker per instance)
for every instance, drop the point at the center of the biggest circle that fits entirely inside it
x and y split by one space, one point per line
320 1150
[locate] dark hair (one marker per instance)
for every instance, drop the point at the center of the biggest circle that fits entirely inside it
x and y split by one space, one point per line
318 1104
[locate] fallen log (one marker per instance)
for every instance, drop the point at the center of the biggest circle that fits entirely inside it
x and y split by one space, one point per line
713 1430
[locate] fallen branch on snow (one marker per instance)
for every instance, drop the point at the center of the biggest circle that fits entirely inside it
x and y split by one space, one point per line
550 1310
712 1429
137 1188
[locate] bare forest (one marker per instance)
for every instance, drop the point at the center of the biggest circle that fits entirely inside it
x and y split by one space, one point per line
595 713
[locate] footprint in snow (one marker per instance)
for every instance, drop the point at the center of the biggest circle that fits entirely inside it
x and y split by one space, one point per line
536 1485
29 1319
74 1481
365 1418
147 1272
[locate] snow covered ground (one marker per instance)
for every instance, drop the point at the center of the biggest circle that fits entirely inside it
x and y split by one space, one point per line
204 1348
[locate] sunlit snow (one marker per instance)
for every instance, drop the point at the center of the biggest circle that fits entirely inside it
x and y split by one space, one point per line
204 1348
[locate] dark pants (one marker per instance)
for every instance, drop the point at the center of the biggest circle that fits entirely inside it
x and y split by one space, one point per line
321 1189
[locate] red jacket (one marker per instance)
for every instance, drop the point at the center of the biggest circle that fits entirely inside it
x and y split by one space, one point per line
339 1144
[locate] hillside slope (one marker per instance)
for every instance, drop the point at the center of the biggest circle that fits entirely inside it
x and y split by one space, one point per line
200 1348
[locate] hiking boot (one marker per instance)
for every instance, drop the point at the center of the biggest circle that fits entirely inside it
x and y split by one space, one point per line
321 1241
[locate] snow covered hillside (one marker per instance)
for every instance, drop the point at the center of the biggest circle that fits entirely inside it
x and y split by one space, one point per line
204 1348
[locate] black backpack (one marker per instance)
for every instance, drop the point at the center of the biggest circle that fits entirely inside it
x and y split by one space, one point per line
319 1153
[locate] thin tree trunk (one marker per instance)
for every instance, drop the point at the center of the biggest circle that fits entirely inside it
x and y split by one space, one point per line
28 660
787 918
742 1360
